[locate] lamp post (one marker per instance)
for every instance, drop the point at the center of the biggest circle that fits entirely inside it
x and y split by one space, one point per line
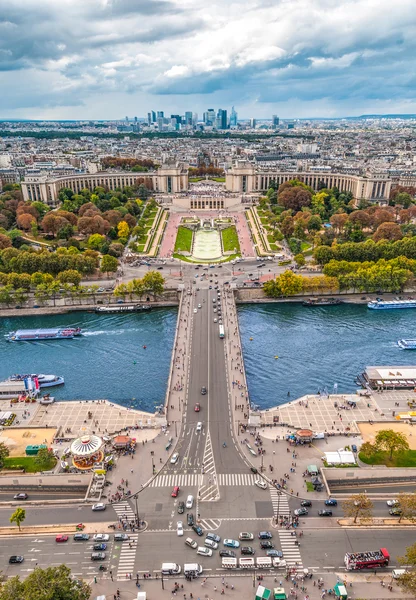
137 511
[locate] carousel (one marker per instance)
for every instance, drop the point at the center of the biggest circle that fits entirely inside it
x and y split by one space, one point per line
86 452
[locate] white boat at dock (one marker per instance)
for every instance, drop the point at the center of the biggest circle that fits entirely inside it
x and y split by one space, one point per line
391 304
43 380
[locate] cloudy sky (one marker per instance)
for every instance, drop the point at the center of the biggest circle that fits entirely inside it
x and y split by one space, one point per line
100 59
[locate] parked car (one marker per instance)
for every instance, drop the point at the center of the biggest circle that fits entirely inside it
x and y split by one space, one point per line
249 550
203 551
245 536
190 519
210 544
214 537
395 512
275 553
179 528
331 502
181 508
81 537
198 529
265 535
231 543
325 513
227 553
101 537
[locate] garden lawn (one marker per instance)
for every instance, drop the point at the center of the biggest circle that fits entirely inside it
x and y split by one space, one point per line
183 240
404 459
25 462
230 239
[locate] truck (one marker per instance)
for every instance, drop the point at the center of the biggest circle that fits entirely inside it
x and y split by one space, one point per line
372 559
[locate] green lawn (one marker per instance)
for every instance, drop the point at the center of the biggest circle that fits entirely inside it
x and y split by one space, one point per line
404 459
230 239
309 486
218 179
24 462
195 179
183 240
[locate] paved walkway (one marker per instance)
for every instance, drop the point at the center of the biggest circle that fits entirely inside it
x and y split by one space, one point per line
168 243
244 236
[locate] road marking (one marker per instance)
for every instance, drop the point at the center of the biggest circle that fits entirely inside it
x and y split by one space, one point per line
290 549
280 502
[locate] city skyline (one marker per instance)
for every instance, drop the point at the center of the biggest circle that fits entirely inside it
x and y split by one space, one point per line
111 57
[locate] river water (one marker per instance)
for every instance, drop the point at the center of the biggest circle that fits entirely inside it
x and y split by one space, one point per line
108 361
317 347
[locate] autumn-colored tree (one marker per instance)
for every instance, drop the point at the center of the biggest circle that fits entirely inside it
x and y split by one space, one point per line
338 221
25 220
295 198
407 581
361 217
388 231
5 242
358 506
123 229
88 210
382 215
407 505
52 224
287 226
113 217
96 224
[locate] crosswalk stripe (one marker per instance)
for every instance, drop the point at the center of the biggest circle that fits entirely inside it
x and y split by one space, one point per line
279 502
291 552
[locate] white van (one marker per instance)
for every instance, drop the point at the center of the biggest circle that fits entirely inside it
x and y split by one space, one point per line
279 563
189 501
246 563
229 563
198 427
170 569
398 572
193 569
264 562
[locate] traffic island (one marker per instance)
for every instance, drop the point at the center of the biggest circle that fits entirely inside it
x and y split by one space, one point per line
372 523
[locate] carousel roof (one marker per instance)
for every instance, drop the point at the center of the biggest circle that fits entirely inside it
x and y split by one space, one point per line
87 445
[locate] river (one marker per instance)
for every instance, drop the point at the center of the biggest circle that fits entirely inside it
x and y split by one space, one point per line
108 361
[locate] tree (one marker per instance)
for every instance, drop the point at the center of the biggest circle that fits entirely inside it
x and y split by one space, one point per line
391 441
299 260
358 506
70 276
295 198
25 221
109 264
95 241
388 231
18 516
52 583
407 505
4 453
314 223
407 581
44 459
123 229
5 241
153 282
52 224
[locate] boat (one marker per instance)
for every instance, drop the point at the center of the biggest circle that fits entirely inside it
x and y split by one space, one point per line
44 380
30 335
407 344
128 308
322 302
391 304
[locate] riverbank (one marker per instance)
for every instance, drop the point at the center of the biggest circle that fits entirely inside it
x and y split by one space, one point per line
257 296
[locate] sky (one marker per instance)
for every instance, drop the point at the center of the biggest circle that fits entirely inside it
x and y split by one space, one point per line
105 59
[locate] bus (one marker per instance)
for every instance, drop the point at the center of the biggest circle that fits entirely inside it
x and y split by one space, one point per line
222 331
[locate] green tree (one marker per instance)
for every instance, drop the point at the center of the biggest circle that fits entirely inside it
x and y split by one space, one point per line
95 241
52 583
153 282
45 459
358 506
18 516
407 504
299 260
109 264
4 453
70 276
407 581
391 441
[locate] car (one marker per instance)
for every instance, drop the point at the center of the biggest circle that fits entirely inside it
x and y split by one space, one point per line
195 310
197 407
81 537
175 491
211 544
325 513
189 501
159 268
215 320
249 550
306 503
190 519
214 537
215 310
13 560
265 535
61 538
179 528
275 553
203 551
392 502
199 305
101 537
203 390
174 459
199 427
266 544
331 502
191 543
261 484
98 556
198 529
181 508
21 496
121 537
299 512
229 543
395 512
98 506
210 287
244 535
227 553
101 546
354 448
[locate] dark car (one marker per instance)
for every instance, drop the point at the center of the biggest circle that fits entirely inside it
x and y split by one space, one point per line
395 512
306 503
16 559
181 508
247 550
81 537
197 529
190 519
331 502
214 537
21 496
275 553
266 544
203 390
325 513
265 535
354 448
227 553
101 546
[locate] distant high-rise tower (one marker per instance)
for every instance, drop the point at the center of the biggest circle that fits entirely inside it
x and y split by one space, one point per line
221 120
188 118
153 116
160 114
210 116
275 121
149 118
233 118
253 123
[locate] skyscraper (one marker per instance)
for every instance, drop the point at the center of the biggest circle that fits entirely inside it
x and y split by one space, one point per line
275 121
188 117
149 118
160 114
221 120
153 116
233 118
253 123
210 116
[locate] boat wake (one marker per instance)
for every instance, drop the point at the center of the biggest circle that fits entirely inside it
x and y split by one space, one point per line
110 332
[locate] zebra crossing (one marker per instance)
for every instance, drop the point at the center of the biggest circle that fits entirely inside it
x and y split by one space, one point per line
236 479
291 552
127 556
124 510
210 524
182 480
279 502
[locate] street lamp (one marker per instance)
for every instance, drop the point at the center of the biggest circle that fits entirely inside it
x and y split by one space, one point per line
137 511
